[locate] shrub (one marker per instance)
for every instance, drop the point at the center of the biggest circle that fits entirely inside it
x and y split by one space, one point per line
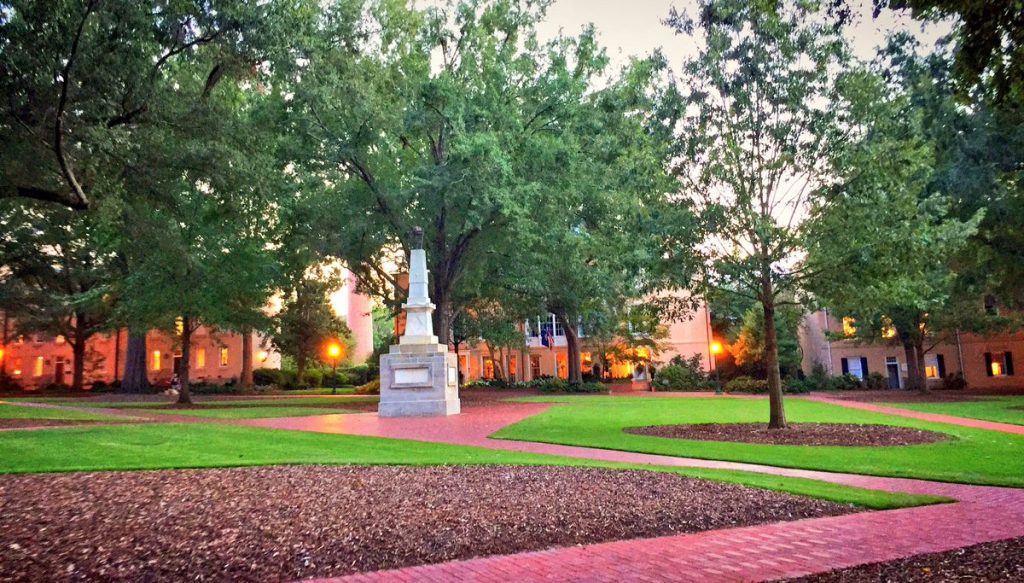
954 381
745 384
102 387
362 373
314 377
338 378
875 381
679 378
56 388
214 388
266 376
846 382
557 385
370 388
805 385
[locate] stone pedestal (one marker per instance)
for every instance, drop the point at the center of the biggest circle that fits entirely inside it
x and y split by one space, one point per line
418 377
419 380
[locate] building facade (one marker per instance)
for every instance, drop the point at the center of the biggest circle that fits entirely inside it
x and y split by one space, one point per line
38 361
546 353
985 362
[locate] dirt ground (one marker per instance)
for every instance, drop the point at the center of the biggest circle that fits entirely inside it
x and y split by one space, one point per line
294 522
828 434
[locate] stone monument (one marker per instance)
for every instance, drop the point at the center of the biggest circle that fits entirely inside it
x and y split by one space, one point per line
418 377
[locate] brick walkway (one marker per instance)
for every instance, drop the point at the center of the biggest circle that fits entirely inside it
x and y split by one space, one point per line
934 417
982 514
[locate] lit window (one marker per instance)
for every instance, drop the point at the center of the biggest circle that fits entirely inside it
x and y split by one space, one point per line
38 370
488 368
931 366
223 356
17 367
156 360
201 358
179 326
848 326
60 339
999 364
888 330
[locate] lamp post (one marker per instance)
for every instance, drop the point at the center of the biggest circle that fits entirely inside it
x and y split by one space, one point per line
333 352
716 349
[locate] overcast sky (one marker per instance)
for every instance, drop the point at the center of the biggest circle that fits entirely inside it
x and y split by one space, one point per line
634 27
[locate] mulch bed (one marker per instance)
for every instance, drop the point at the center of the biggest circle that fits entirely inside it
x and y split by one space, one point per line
987 562
293 522
838 434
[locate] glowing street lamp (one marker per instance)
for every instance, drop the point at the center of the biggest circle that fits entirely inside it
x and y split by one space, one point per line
334 353
716 349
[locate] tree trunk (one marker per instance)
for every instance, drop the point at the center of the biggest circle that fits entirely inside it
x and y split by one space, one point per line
441 296
777 414
922 376
184 395
117 353
300 367
572 346
135 379
913 374
78 357
246 378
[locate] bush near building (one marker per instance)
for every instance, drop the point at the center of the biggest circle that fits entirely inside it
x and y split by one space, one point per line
287 379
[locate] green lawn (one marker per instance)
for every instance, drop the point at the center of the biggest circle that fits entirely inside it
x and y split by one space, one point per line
974 456
248 412
16 412
999 409
99 403
162 446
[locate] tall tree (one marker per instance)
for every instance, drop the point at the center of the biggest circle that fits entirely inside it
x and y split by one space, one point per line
64 276
890 225
450 120
753 113
81 77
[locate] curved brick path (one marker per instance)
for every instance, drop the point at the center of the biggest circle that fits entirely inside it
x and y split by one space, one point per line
981 514
934 417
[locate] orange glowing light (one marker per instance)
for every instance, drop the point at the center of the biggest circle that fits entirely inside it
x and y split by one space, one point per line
716 347
1 353
334 350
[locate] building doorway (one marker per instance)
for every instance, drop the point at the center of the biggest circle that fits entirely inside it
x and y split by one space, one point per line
892 367
534 366
177 365
58 370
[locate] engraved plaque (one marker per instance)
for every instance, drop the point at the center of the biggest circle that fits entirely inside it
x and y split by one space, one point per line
412 376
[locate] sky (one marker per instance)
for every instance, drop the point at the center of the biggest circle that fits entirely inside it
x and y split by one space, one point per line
634 27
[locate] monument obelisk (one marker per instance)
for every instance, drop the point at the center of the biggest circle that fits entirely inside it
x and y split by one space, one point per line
418 376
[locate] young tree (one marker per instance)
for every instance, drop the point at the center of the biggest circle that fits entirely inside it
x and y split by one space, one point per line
307 322
748 348
753 112
63 276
